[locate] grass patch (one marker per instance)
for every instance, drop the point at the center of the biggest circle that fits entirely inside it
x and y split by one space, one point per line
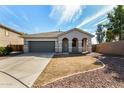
64 65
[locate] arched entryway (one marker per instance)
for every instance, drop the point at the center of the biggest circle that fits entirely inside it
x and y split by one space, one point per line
84 44
65 45
74 45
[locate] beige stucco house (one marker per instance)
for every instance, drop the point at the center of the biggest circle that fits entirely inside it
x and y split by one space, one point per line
74 40
9 36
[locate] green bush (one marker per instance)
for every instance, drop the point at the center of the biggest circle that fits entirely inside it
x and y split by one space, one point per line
5 51
9 49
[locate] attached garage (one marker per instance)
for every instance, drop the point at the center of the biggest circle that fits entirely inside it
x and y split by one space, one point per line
41 46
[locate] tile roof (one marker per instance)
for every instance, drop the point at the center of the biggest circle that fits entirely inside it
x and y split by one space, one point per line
55 34
45 34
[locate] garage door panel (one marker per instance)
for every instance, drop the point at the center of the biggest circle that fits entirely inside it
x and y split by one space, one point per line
42 46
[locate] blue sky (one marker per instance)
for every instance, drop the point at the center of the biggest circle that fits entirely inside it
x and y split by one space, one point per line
44 18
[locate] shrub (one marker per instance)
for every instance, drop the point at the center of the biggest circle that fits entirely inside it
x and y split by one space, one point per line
9 49
5 51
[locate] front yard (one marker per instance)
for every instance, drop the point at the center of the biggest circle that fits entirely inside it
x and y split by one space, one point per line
67 71
111 76
65 65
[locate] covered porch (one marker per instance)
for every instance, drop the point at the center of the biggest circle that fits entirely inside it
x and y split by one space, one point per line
74 45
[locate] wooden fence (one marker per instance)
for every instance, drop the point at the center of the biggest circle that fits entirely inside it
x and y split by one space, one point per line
16 47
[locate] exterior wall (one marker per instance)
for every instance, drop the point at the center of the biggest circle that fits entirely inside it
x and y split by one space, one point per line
31 39
11 39
114 48
79 36
89 45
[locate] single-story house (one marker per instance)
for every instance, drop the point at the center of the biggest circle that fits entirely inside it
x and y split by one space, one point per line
10 36
74 40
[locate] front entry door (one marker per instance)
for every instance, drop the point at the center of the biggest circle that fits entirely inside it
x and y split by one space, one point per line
65 45
75 45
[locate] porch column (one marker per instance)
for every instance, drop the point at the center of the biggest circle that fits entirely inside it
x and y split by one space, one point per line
56 46
85 45
89 45
59 46
70 45
80 46
26 46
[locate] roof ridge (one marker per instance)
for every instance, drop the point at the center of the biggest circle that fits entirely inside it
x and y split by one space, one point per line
45 32
82 31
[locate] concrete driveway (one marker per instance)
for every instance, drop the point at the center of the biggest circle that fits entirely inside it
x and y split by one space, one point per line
23 70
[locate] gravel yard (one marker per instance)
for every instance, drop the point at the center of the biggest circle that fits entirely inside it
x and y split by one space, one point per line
111 76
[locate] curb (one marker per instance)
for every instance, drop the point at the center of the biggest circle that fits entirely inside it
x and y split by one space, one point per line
15 79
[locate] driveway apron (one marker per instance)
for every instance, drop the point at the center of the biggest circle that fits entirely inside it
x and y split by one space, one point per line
24 68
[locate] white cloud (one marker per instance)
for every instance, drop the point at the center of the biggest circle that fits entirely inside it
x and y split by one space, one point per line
88 29
103 11
101 22
25 17
66 13
6 9
15 25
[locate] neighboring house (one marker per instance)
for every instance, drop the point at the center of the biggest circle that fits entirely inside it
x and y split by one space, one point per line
74 40
9 36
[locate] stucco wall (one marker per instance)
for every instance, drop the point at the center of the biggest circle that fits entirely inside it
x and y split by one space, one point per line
114 48
12 38
70 36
